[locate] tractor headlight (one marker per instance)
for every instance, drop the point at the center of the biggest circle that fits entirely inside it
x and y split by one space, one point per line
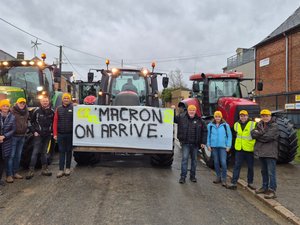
24 63
145 72
40 63
114 71
39 88
5 63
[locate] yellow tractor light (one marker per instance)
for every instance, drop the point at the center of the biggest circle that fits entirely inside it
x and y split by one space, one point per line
43 56
107 62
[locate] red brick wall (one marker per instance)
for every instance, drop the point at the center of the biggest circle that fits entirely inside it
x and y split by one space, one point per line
273 75
294 63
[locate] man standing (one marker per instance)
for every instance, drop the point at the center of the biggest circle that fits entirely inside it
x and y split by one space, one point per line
266 148
62 132
20 111
244 149
192 134
41 121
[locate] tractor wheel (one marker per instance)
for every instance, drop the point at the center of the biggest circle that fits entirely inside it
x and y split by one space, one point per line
288 141
207 157
86 158
162 160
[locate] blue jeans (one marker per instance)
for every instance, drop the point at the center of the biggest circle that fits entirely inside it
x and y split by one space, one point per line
268 172
220 159
240 156
40 146
189 149
15 156
65 145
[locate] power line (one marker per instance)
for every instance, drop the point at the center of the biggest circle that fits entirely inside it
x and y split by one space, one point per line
24 31
71 64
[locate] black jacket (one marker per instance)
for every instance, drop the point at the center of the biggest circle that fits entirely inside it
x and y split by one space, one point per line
42 120
65 119
191 130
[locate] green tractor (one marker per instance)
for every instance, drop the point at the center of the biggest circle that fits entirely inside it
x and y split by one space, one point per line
30 79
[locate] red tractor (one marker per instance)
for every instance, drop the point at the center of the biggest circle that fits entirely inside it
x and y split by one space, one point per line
223 92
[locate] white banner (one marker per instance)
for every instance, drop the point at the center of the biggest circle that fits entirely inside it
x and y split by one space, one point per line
123 126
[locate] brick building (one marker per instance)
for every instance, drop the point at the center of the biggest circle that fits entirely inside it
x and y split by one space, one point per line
277 62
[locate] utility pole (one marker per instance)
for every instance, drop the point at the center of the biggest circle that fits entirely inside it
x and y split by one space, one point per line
60 63
122 63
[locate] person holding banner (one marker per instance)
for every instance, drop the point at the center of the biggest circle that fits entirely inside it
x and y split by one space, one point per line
192 134
62 132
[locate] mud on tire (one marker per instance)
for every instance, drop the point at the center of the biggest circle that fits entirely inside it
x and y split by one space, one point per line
288 141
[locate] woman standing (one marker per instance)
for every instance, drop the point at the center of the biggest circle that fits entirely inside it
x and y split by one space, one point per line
7 129
219 140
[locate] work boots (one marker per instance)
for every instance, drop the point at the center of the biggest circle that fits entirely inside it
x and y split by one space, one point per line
30 174
45 171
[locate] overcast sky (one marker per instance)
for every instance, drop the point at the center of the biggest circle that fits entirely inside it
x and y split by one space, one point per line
192 35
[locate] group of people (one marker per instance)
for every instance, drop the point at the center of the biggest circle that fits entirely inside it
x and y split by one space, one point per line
252 138
44 123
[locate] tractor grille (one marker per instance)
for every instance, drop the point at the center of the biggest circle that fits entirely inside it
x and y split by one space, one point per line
253 111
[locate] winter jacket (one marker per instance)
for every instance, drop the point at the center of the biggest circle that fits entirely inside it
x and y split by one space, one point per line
42 121
7 128
21 116
63 120
219 136
191 130
266 135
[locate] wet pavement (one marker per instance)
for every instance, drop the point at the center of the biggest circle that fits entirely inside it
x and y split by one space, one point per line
288 184
128 190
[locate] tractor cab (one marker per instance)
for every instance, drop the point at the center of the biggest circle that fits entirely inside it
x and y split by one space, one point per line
130 87
30 79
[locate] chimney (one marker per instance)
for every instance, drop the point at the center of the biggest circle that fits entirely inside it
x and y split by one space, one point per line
20 55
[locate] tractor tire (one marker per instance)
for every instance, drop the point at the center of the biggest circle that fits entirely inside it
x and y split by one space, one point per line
288 141
86 158
207 157
162 160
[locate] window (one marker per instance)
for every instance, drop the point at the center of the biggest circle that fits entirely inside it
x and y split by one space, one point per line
223 87
48 80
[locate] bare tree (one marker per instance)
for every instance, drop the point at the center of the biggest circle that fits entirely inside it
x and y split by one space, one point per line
176 79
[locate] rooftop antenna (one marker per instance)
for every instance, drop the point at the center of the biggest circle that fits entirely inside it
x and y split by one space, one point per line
35 46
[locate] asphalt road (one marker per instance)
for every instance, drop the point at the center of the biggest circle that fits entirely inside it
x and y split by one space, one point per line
128 190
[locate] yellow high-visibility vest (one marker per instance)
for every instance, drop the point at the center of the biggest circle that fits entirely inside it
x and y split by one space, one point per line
243 137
